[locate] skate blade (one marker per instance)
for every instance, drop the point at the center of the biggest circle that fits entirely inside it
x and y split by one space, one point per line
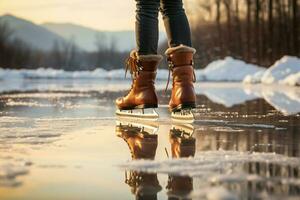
137 114
183 116
151 127
185 128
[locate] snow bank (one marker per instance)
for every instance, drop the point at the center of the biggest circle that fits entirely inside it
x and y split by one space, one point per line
293 79
284 71
229 69
43 73
48 73
281 69
254 78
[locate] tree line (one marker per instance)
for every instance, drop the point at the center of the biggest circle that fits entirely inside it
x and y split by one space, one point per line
16 54
257 31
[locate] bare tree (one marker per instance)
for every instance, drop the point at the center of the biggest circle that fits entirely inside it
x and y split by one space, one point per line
249 54
218 21
296 27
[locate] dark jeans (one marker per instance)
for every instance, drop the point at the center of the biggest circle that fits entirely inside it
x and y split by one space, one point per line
175 21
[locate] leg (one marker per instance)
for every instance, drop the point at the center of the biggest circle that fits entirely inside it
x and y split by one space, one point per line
176 23
142 64
146 26
180 59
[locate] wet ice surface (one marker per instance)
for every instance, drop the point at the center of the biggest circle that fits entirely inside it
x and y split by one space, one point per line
60 140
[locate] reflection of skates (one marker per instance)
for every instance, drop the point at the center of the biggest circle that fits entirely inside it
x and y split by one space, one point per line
183 98
142 142
143 185
142 94
182 145
179 187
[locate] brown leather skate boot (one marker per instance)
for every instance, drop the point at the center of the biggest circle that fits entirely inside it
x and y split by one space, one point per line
182 145
143 72
142 144
182 142
180 60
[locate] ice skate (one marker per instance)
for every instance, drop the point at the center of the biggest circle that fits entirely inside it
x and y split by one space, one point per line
183 98
142 142
183 144
182 141
141 100
146 127
140 138
143 114
183 116
143 185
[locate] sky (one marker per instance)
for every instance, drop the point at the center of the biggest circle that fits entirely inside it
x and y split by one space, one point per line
98 14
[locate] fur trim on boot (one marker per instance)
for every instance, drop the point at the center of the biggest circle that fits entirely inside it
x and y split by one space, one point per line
180 48
150 57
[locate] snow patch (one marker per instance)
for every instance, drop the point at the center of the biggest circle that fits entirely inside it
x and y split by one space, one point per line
49 73
293 79
208 163
46 95
284 71
254 78
281 69
229 69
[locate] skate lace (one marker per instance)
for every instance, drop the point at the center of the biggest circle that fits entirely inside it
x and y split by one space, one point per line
134 66
171 67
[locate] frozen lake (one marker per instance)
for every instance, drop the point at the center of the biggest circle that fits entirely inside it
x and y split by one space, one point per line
60 139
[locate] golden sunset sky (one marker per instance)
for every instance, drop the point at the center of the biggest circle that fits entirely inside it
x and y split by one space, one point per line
98 14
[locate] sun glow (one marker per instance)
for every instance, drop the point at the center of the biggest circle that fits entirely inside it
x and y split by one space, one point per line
98 14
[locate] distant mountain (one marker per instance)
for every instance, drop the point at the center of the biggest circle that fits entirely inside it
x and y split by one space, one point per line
43 36
87 38
30 33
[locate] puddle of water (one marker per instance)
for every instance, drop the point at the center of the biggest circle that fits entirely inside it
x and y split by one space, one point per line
67 144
